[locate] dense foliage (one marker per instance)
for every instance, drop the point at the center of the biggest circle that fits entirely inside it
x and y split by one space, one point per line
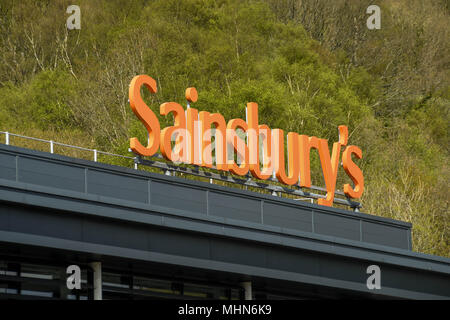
311 66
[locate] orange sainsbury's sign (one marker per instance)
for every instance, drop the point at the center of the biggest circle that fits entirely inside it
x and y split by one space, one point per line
261 152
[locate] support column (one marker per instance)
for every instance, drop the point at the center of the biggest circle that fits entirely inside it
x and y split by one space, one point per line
97 270
247 285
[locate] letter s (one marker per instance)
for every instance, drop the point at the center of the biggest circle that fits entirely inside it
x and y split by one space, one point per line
145 114
353 171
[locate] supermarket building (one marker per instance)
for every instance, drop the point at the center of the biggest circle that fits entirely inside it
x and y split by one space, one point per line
142 235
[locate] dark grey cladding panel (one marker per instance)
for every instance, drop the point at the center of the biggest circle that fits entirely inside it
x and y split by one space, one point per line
427 282
399 277
4 217
314 264
293 261
336 226
385 235
233 207
41 222
51 174
117 186
345 269
117 234
7 166
178 197
287 217
237 252
179 243
435 283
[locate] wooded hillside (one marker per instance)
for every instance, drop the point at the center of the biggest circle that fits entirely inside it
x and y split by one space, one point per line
310 65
